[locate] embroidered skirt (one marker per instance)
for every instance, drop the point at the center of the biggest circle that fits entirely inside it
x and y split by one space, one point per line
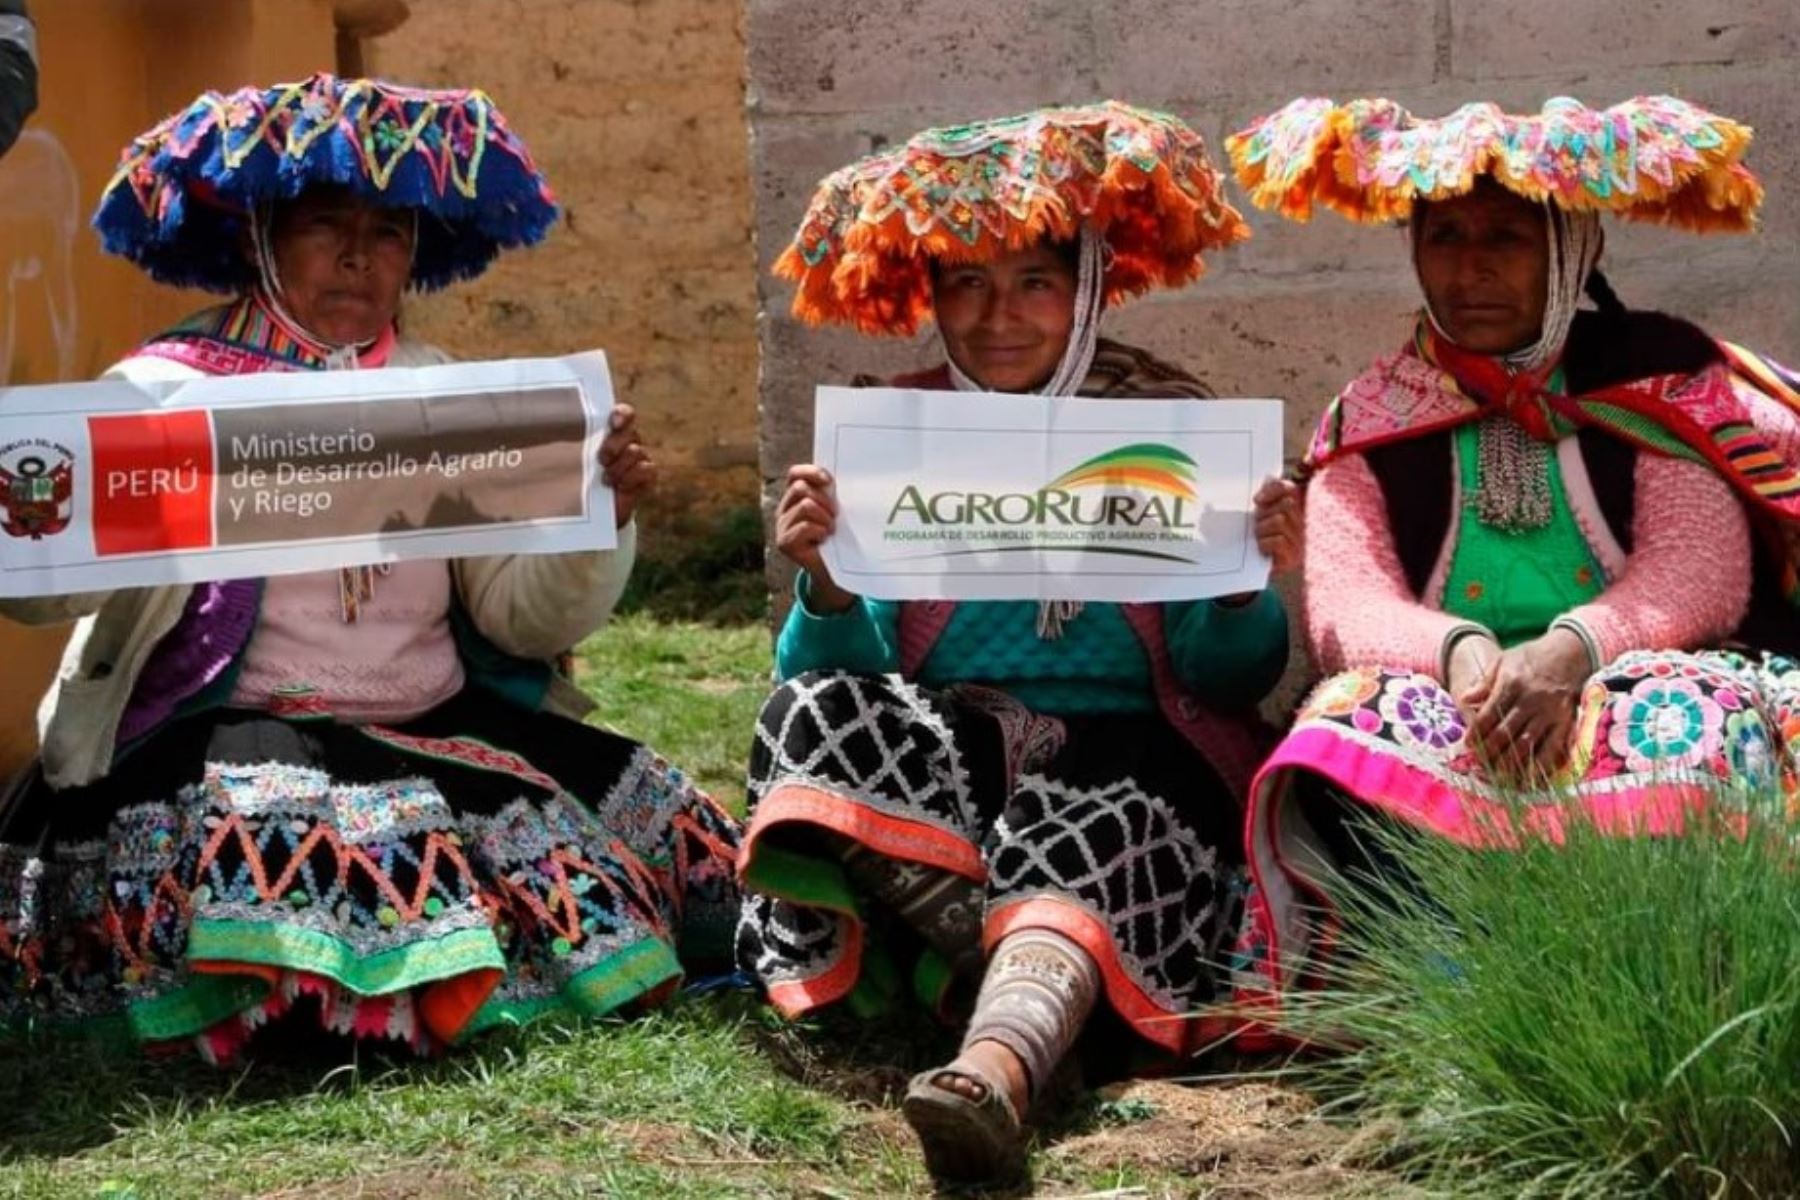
1657 737
477 866
1109 829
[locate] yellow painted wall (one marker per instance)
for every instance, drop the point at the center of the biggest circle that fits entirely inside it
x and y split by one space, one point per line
109 69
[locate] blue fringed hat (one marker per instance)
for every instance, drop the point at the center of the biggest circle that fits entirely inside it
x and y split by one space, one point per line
179 202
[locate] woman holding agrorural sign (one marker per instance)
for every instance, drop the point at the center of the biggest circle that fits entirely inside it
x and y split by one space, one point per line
1031 809
352 794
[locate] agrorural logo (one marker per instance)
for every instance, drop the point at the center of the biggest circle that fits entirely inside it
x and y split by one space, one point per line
1125 501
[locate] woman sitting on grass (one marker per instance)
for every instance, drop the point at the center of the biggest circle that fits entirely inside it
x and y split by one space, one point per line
333 791
1523 530
1038 803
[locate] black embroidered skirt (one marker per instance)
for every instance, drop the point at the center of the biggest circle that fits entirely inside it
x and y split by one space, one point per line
476 866
1110 829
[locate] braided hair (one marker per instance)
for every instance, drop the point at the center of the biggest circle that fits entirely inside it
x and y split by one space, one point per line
1599 289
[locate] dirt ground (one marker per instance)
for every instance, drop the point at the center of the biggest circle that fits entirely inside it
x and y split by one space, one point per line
1245 1141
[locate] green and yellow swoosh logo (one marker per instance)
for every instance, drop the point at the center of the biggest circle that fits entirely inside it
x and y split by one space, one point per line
1151 466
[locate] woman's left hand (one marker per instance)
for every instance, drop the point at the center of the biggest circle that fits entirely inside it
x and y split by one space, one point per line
1528 709
1280 532
625 464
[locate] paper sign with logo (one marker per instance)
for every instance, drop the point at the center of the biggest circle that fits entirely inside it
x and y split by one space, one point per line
959 496
114 484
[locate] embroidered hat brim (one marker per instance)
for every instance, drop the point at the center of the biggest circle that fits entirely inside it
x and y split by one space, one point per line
1142 180
1653 158
178 203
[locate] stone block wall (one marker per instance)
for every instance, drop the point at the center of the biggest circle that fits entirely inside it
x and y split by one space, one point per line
1300 309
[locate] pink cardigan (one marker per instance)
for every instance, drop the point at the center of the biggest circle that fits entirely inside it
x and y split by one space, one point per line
1686 582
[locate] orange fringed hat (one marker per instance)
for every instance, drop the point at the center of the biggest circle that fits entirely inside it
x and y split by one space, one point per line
1654 158
968 193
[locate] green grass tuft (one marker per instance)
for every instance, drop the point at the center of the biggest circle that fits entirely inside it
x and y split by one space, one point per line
1614 1016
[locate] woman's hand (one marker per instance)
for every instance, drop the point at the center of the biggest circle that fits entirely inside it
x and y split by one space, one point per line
806 516
625 464
1528 710
1280 532
1472 663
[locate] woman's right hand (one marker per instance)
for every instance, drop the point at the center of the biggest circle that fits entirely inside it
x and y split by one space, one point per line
1529 706
806 516
1474 660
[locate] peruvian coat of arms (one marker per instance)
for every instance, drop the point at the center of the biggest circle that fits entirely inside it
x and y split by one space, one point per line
37 489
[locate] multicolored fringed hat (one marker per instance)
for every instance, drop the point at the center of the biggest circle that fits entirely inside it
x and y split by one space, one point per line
179 200
1140 180
1654 158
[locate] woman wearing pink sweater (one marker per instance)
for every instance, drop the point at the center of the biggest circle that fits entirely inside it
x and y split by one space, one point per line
1524 531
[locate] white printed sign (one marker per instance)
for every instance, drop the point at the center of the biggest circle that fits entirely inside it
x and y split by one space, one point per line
116 484
964 496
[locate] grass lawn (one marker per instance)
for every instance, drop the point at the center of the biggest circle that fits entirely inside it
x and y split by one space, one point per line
711 1097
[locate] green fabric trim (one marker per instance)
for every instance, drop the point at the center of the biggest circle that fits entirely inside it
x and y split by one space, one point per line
207 999
395 970
820 883
634 971
1517 582
803 878
931 979
878 984
1642 429
201 1002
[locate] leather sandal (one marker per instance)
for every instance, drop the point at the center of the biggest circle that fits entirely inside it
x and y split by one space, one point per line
965 1141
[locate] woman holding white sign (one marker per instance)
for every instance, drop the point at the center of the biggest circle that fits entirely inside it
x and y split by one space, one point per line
1031 807
353 794
1527 528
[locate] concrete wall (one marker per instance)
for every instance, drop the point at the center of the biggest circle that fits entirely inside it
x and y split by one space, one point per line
1298 310
635 112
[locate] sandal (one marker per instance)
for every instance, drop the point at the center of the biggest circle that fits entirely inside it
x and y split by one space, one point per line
965 1141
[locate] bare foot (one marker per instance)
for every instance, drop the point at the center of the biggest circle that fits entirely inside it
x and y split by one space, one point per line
995 1061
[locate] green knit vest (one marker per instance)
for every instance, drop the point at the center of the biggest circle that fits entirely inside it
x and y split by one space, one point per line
1516 582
